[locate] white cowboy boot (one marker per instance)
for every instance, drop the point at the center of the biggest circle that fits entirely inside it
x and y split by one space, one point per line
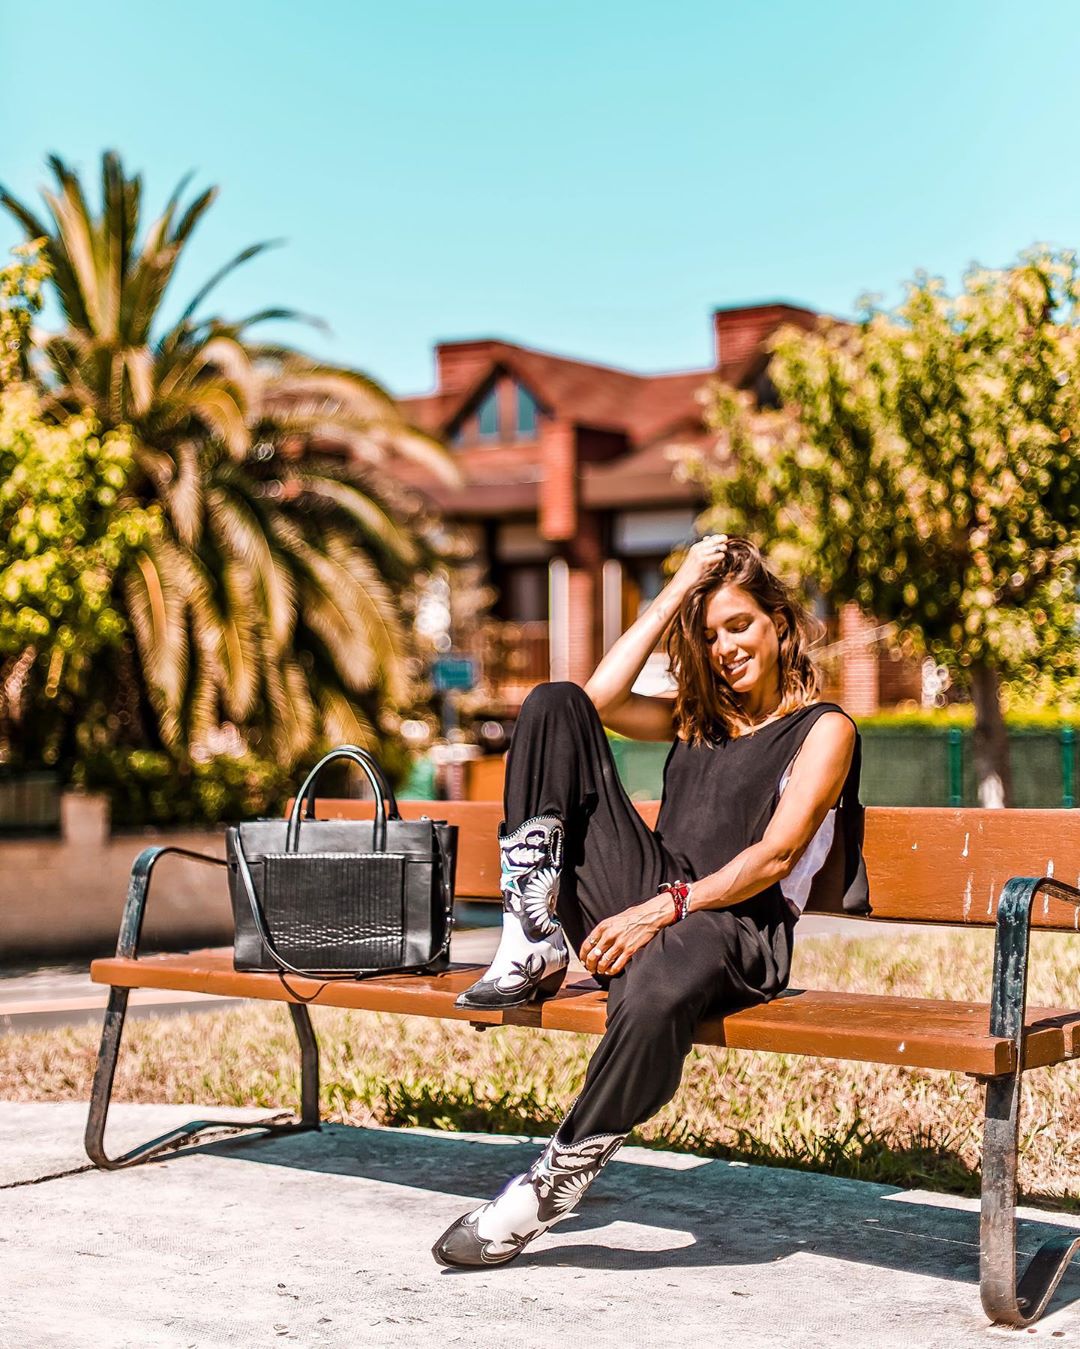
528 1205
532 958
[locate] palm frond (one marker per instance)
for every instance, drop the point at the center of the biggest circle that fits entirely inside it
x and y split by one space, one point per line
343 723
243 535
192 216
184 496
74 236
60 269
156 606
360 507
240 646
277 609
245 255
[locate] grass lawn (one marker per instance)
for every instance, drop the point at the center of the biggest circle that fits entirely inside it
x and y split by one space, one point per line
897 1126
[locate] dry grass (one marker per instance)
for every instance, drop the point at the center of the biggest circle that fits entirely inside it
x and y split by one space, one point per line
893 1125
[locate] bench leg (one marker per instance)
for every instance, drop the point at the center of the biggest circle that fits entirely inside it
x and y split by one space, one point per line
1005 1300
309 1066
101 1094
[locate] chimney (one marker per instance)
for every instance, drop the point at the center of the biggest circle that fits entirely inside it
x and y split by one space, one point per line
457 364
741 331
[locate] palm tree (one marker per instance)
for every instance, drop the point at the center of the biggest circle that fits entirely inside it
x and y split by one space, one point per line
271 595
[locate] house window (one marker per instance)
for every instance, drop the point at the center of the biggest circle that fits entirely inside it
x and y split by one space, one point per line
640 533
526 413
643 580
523 594
487 416
520 541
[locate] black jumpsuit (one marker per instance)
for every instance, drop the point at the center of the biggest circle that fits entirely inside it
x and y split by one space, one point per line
717 800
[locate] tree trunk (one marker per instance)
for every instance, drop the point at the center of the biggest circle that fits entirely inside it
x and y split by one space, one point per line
993 771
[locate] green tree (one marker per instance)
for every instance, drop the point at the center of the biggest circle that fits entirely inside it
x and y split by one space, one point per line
923 464
20 300
271 594
66 540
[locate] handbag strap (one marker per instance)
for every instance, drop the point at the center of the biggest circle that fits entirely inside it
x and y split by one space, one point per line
304 804
285 967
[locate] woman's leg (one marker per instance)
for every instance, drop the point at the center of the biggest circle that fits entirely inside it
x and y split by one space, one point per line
572 847
712 962
560 765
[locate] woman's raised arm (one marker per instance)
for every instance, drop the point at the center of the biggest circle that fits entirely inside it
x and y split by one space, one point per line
635 714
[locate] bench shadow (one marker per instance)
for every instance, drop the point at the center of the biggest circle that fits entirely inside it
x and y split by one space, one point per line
698 1212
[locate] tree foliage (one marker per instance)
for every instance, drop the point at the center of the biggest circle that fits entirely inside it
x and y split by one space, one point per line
66 540
20 299
923 464
270 594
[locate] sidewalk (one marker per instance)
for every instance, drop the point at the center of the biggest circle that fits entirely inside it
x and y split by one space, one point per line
322 1240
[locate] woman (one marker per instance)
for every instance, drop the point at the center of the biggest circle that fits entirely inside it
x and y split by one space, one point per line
697 917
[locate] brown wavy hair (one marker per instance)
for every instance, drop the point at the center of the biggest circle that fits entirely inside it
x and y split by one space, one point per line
706 710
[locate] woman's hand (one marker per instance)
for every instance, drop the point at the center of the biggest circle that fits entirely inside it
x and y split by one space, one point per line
608 947
700 558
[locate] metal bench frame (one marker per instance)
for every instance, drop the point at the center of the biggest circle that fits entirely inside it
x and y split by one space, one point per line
1006 1299
127 945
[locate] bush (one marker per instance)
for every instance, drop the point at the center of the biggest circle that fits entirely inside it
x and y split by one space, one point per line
151 787
962 715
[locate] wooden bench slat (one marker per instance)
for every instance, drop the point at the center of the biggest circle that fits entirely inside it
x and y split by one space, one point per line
925 864
923 1032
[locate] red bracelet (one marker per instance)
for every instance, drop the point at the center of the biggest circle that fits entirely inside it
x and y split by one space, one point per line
680 897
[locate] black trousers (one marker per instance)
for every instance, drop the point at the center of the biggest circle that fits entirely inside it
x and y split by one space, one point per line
560 763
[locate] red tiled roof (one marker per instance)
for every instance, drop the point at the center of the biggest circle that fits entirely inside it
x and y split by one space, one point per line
640 416
582 392
602 397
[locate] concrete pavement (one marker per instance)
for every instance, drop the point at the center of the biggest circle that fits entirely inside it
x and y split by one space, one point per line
322 1240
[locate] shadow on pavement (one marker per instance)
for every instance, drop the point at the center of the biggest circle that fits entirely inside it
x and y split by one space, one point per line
697 1212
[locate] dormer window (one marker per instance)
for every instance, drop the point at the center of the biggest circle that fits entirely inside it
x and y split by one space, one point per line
504 411
487 416
527 412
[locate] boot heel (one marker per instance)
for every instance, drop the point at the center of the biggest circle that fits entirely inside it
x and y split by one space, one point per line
547 988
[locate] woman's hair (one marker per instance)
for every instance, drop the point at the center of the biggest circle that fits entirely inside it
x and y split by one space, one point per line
706 709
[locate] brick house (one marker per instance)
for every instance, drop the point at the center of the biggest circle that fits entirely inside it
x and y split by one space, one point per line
569 498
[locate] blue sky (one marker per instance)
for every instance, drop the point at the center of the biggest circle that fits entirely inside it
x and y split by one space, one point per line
586 177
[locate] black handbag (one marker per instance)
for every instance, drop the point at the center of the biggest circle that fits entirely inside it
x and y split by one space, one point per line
341 899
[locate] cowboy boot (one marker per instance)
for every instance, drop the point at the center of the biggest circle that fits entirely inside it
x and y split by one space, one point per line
533 957
528 1205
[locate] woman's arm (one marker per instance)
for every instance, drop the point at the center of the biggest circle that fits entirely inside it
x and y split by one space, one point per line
817 779
635 714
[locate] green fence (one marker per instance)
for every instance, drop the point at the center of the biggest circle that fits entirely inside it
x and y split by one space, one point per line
29 802
921 767
913 766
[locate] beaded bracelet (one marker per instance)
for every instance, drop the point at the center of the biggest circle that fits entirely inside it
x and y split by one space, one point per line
680 897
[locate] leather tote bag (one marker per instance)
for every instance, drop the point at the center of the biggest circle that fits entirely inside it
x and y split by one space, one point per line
341 899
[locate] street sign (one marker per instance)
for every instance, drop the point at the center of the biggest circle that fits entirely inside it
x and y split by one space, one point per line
453 672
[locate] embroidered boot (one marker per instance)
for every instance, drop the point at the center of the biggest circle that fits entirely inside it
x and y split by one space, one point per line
528 1205
532 958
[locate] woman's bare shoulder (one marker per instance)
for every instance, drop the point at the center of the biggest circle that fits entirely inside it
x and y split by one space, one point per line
833 732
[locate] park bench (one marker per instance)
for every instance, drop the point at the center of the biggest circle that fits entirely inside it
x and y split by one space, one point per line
951 866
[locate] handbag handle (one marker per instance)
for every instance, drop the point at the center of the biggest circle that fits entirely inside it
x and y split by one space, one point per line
304 803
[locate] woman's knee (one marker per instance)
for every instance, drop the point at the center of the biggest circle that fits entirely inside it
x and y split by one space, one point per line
650 1009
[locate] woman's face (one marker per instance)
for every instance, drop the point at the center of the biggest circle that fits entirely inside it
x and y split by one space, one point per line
743 642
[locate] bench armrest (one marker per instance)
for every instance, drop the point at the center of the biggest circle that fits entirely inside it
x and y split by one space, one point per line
1008 1002
142 870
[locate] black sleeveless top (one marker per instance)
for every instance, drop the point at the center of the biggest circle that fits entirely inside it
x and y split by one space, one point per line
718 798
